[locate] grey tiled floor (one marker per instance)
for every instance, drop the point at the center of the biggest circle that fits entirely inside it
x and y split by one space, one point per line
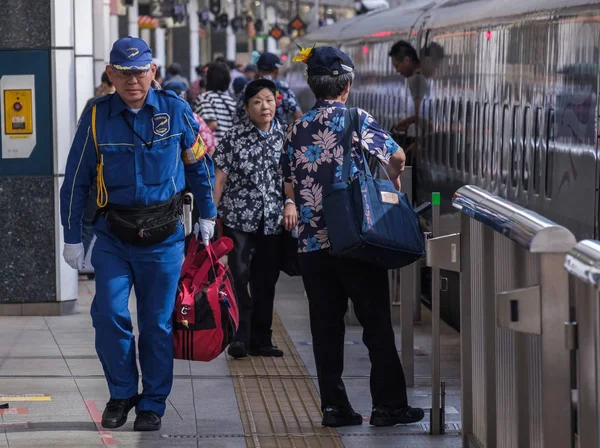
56 356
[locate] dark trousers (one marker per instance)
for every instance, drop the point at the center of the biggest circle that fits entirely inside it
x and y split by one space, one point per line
254 262
329 281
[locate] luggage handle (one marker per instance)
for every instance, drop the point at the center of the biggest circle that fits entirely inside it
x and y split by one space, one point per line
224 246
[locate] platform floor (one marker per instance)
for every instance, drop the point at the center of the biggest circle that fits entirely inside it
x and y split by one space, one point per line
53 382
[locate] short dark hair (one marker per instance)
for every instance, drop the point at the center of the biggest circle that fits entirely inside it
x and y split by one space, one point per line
403 49
326 87
218 77
104 78
175 69
434 51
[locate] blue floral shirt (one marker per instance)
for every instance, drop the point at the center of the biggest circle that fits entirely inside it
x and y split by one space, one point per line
312 161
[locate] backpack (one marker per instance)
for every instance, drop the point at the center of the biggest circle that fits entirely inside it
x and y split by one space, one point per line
206 315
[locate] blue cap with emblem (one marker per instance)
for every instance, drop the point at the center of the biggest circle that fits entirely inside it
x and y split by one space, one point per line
329 61
131 53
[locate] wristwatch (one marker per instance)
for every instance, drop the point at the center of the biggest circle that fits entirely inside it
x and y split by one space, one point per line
289 201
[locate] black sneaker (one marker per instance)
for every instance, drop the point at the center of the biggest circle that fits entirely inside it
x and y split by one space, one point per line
336 416
237 350
116 411
267 351
384 416
147 421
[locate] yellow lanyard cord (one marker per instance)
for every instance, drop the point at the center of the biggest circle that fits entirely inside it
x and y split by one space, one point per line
101 193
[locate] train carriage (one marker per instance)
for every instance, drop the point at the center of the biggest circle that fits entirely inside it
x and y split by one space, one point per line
512 106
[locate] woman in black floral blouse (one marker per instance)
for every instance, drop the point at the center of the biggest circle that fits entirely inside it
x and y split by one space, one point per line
249 196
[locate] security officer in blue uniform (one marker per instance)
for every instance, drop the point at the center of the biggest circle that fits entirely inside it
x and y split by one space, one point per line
139 145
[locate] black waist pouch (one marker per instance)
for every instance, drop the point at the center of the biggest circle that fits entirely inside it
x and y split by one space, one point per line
144 225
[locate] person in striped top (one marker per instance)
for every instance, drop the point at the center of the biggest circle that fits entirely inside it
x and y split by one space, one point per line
215 106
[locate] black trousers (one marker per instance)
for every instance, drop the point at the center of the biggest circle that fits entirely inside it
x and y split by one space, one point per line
329 281
254 262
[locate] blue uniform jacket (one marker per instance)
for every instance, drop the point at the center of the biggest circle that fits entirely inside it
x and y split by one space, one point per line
133 173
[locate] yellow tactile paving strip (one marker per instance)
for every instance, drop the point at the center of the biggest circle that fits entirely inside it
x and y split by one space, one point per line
278 402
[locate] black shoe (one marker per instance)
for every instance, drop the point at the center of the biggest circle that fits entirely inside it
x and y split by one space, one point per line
266 350
147 421
115 413
237 350
336 416
384 416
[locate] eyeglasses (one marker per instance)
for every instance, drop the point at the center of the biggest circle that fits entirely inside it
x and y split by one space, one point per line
126 74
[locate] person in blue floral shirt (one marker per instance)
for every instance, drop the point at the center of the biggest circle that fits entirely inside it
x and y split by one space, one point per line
311 162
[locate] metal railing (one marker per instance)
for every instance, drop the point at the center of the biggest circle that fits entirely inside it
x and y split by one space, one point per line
583 334
515 366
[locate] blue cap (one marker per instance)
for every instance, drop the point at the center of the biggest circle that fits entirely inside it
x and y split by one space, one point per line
329 61
268 62
131 53
239 83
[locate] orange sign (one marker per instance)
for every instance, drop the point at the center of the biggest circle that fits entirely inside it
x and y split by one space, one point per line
276 32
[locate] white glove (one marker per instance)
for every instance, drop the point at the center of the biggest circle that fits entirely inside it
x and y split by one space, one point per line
206 228
74 254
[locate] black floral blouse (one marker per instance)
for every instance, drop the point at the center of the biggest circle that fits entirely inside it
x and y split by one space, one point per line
254 188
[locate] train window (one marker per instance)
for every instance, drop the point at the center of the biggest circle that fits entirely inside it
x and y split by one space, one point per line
514 157
468 138
526 150
442 150
505 145
429 131
550 148
483 144
476 138
490 165
537 153
451 132
460 136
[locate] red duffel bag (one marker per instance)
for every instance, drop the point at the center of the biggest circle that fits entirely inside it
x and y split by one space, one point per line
206 314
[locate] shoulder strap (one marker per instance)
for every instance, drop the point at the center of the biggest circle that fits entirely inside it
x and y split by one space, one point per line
101 193
350 125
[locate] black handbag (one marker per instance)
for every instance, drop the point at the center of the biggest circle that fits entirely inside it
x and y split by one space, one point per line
288 254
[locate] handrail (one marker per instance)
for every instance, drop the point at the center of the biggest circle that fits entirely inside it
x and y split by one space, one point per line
583 261
527 228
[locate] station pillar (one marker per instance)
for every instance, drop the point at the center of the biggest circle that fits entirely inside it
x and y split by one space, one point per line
45 78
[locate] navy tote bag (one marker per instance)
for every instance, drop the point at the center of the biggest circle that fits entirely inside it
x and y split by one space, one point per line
367 218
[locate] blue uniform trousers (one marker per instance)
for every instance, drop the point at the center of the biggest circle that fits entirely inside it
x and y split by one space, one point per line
154 273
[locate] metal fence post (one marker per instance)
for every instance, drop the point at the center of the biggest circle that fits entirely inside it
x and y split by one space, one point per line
583 263
556 368
442 252
466 360
436 418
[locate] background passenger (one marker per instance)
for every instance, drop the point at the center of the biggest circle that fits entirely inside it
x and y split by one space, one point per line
215 106
312 162
249 197
268 65
250 71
